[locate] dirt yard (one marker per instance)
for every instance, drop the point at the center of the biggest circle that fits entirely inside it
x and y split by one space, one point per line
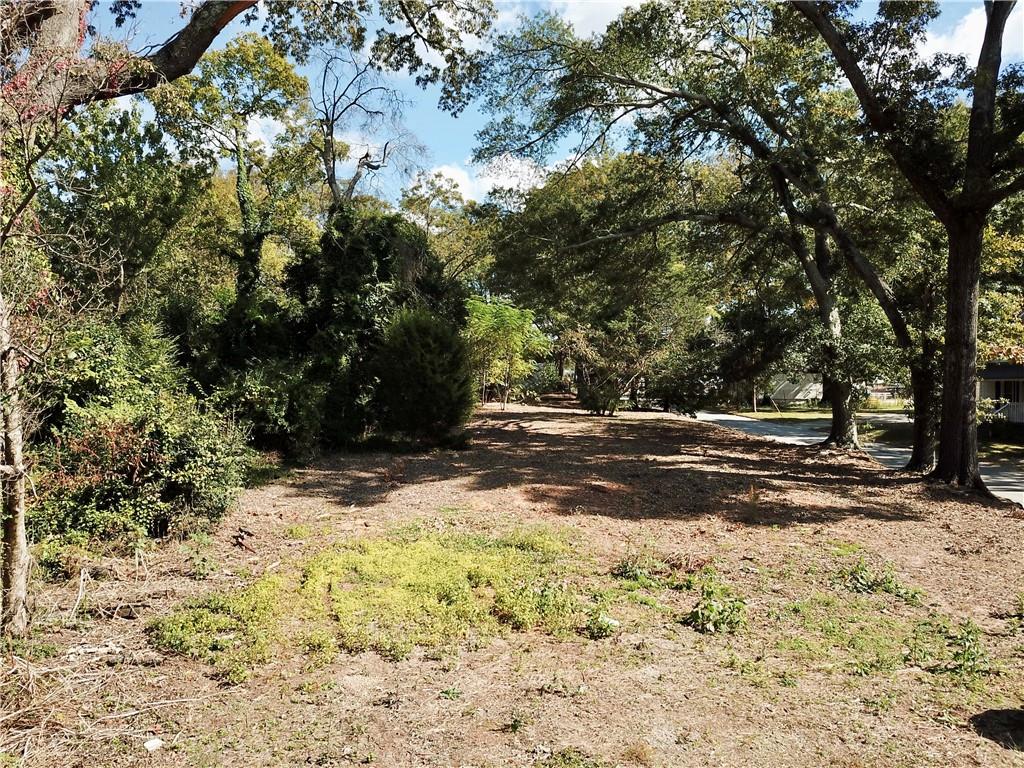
882 625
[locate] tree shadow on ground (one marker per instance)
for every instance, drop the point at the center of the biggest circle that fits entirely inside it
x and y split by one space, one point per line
630 468
1003 726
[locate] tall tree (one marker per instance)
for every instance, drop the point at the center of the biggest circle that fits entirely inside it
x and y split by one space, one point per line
960 176
352 95
114 181
692 78
245 83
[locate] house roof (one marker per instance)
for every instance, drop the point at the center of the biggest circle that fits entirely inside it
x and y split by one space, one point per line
1002 370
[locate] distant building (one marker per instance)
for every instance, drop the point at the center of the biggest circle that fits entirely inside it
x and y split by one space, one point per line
806 387
795 388
1004 382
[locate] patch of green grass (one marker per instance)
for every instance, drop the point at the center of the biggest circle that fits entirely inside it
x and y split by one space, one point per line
28 648
388 595
854 635
754 671
845 548
849 632
233 632
298 531
860 577
320 646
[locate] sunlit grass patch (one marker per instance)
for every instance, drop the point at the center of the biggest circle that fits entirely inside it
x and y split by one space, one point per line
389 595
861 577
233 632
855 636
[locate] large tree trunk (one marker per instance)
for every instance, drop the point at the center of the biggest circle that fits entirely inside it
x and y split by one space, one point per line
843 433
924 388
836 388
14 620
958 436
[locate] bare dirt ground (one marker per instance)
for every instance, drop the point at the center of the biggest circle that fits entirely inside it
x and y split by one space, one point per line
810 681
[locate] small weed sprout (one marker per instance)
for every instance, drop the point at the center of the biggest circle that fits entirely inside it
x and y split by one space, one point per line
718 610
969 657
518 722
202 563
641 568
1015 616
600 625
862 579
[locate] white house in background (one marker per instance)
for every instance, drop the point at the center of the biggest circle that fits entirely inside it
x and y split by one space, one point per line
806 387
1004 382
795 388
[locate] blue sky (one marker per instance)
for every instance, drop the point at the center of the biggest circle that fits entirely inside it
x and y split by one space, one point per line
449 140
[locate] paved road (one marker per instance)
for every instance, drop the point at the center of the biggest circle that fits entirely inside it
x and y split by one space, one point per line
1004 482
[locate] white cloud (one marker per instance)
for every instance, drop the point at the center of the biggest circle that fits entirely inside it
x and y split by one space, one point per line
590 16
264 130
475 182
587 16
965 38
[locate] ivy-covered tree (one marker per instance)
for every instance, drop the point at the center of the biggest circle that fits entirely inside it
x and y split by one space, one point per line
210 113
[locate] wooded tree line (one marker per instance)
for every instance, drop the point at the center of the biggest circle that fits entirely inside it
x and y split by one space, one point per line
739 188
892 180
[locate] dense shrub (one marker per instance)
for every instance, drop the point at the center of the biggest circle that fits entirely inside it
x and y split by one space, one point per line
544 379
294 362
599 391
129 451
425 388
280 403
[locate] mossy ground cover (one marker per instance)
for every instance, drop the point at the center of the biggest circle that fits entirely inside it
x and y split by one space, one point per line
388 595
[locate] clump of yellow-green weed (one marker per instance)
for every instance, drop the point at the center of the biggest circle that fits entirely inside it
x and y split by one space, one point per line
233 632
389 595
392 594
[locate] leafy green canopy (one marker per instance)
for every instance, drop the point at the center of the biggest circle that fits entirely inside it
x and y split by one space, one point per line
504 342
116 192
